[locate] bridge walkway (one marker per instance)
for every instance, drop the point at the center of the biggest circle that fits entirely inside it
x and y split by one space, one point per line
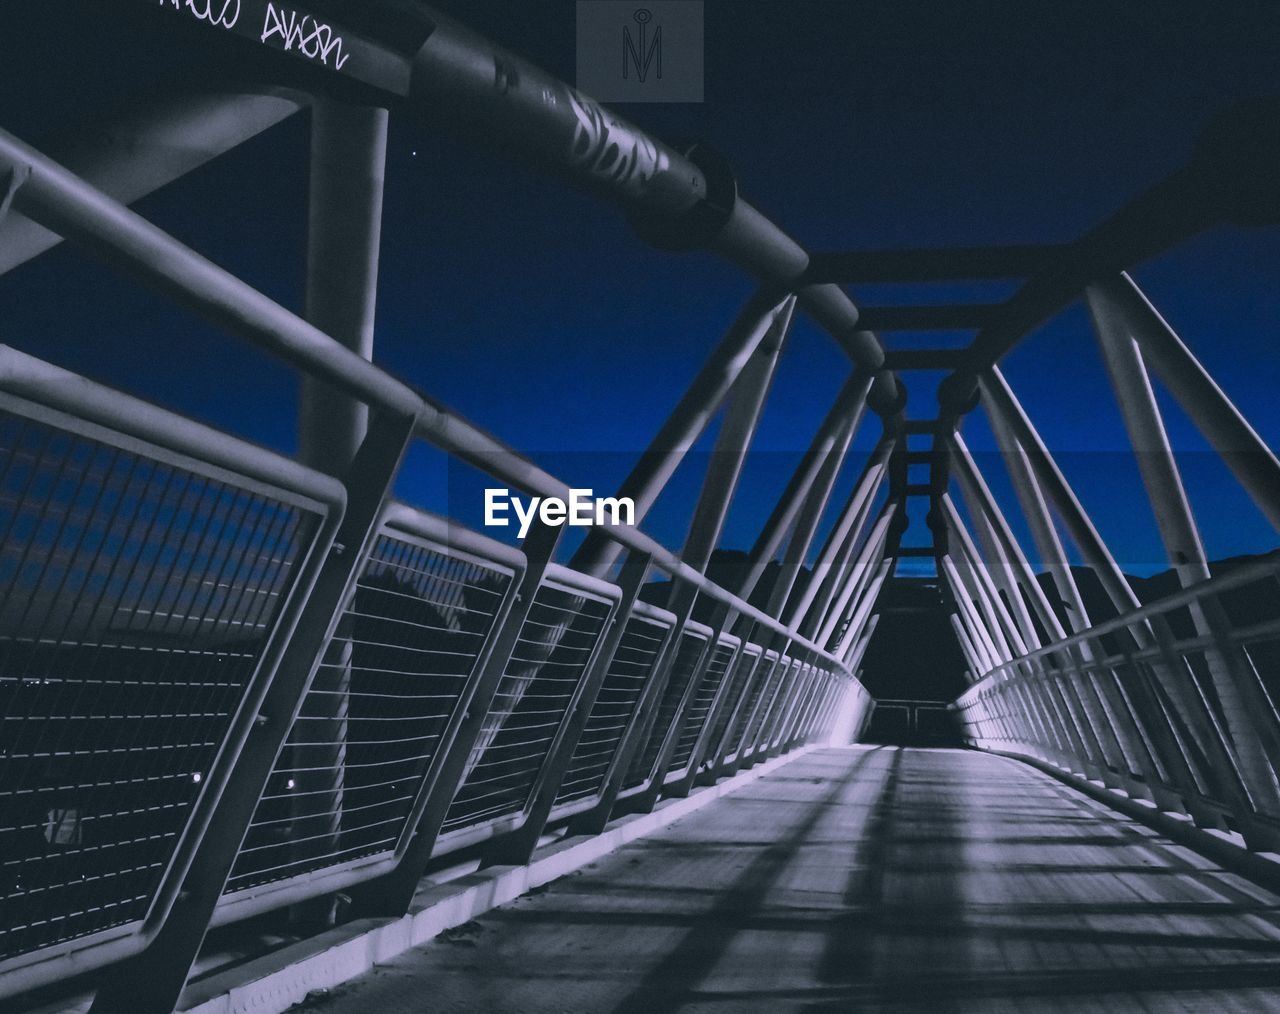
885 879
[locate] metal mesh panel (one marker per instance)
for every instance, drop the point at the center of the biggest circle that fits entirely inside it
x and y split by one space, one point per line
791 698
370 725
761 728
703 698
805 702
690 651
556 642
744 674
137 596
631 668
735 738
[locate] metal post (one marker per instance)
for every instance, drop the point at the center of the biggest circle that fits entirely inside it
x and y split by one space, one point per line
1017 576
988 595
811 512
858 620
981 637
344 229
593 821
684 785
717 753
859 574
864 642
748 750
736 738
737 429
646 800
1053 559
966 647
841 542
1002 404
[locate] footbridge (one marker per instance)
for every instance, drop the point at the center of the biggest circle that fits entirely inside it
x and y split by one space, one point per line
277 728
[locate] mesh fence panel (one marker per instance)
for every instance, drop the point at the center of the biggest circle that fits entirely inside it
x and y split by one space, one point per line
736 736
137 597
703 698
631 668
743 678
556 642
371 723
683 669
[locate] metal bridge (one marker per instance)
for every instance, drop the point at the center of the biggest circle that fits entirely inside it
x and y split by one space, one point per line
241 691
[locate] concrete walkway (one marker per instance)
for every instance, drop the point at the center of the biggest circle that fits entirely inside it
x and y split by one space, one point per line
865 880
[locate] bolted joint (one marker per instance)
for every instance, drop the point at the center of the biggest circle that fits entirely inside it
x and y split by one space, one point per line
698 227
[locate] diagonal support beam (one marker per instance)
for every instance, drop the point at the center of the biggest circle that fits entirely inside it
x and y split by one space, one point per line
598 553
1002 404
848 405
1253 463
746 404
841 542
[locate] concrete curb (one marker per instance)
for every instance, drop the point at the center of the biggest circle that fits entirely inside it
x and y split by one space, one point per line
277 981
1227 850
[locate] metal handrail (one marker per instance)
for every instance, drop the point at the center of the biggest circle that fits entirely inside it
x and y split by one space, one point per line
1181 598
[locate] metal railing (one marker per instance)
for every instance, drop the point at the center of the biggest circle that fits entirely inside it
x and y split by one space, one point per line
150 584
1160 731
230 683
146 564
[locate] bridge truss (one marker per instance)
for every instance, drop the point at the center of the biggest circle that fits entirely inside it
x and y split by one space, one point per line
235 683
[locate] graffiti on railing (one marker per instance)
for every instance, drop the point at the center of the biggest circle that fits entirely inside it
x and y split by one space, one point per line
313 39
609 149
224 16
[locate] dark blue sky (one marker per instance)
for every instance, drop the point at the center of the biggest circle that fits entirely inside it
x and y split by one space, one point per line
536 312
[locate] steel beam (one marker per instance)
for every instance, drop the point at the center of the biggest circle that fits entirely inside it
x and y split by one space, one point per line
1002 404
153 145
1253 463
733 441
848 404
810 516
687 420
841 542
1244 706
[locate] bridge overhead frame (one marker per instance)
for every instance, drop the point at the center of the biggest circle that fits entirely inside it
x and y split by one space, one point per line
540 694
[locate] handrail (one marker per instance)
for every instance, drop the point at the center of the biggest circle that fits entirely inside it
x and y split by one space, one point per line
1185 596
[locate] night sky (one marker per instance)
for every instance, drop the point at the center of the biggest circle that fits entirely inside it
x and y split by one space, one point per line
535 311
